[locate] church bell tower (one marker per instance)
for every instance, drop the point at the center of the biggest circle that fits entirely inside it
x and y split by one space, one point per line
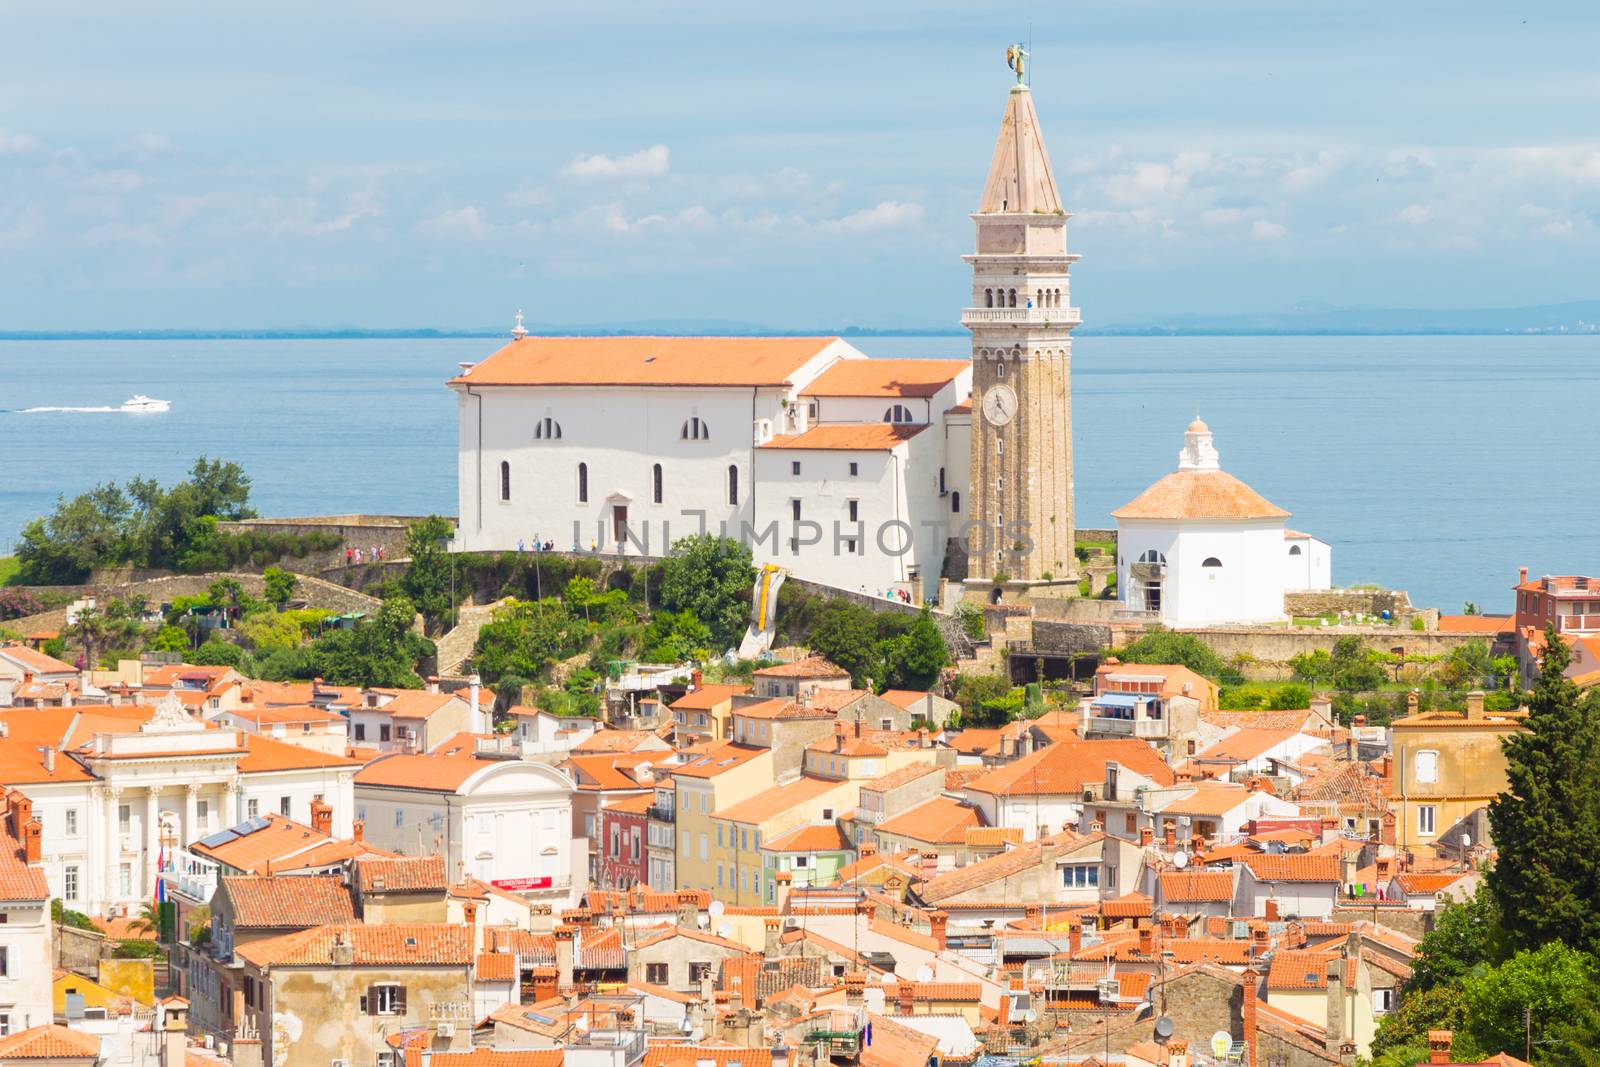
1021 317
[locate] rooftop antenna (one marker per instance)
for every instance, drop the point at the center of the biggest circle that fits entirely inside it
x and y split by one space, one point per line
518 332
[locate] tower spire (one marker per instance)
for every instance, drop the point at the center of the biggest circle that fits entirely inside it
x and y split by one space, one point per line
1020 177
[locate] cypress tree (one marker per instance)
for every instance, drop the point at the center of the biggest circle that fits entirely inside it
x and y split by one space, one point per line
1546 825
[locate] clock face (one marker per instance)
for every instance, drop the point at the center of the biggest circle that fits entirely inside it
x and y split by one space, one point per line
1000 405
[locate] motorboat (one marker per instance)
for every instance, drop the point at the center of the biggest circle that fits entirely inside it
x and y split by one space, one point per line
140 404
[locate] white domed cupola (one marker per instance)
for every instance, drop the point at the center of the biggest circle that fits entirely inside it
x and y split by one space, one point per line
1198 454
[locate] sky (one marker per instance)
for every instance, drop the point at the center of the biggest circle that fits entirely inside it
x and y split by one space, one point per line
296 165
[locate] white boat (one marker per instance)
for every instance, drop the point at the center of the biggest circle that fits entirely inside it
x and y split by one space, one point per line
141 404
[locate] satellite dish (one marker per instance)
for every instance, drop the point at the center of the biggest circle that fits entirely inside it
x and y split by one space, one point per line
717 908
1221 1043
924 973
703 920
1180 860
1164 1028
725 930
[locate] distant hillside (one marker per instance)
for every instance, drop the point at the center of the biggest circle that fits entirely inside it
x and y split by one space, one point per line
1582 317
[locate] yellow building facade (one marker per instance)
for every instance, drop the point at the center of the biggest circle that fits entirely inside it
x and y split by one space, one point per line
1446 766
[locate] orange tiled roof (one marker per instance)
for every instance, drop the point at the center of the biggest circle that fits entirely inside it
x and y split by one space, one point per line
1246 745
1199 494
34 660
401 874
998 867
776 800
886 377
894 779
1208 798
1127 906
816 837
703 361
446 769
614 741
1299 969
50 1042
707 697
810 667
263 755
850 437
487 1057
717 759
939 821
1427 883
1293 867
933 990
782 708
706 1056
380 945
1475 624
634 805
288 901
496 967
1196 886
990 836
1068 766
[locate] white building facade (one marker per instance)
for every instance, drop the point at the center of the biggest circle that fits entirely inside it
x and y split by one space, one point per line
1201 548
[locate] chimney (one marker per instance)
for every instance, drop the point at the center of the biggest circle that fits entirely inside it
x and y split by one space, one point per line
1439 1041
1475 704
840 732
1008 746
1412 699
1074 935
49 759
1386 833
1169 837
433 683
688 908
1260 945
1248 1019
1272 911
774 931
564 950
1382 863
246 1050
469 915
938 924
695 679
1336 1004
343 952
1347 867
32 834
1322 705
922 738
357 828
475 697
1032 912
906 993
1147 836
546 983
174 1032
868 849
322 817
930 863
855 985
1147 941
1522 576
1003 1016
784 879
708 993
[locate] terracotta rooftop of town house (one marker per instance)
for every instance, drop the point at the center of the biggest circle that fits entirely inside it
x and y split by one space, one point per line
783 708
850 437
50 1042
1291 867
997 867
487 1057
777 799
707 697
933 990
715 760
815 837
377 945
991 836
667 933
1299 969
1127 906
1208 798
19 881
1199 494
938 821
600 949
256 844
1476 624
1259 720
957 778
904 698
635 805
549 1018
614 741
905 863
809 667
284 713
1068 766
836 699
706 1056
731 362
609 771
265 755
288 901
1420 884
886 377
1195 887
975 741
1230 952
848 746
444 770
403 874
903 776
538 950
33 660
1246 745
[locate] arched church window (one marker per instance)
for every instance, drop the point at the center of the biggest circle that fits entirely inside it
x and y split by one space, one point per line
897 413
655 483
733 485
1212 561
1150 555
547 429
988 298
1013 297
583 483
505 480
955 502
695 429
1294 550
1000 367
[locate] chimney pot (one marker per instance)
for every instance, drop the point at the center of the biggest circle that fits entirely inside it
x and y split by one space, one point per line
1439 1041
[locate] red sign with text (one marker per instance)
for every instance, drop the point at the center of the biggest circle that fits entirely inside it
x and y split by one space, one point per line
517 885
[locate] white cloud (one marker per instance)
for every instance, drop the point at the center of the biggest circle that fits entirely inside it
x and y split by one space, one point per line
147 144
114 181
1415 215
463 223
1265 230
887 215
652 162
18 144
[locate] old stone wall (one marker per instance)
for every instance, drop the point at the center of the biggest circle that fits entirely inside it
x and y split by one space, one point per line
1096 535
1355 601
365 532
1413 922
80 950
1051 636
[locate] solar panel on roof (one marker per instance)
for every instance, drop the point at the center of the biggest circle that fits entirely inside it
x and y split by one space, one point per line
221 837
250 826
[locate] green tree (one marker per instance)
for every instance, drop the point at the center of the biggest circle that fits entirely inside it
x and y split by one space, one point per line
1402 1037
1546 825
1465 939
525 637
847 635
921 656
1355 669
1167 646
1314 667
216 653
266 630
382 650
280 586
1467 666
170 639
1289 697
974 691
427 579
712 577
80 534
1549 983
673 637
88 627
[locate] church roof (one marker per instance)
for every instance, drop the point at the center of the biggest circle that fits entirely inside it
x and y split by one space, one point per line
1020 178
666 361
851 437
1199 494
886 377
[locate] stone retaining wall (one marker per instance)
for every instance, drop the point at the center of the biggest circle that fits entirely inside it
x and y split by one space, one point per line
1056 637
354 531
1363 601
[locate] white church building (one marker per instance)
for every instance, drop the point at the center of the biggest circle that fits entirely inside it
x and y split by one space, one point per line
844 469
1202 548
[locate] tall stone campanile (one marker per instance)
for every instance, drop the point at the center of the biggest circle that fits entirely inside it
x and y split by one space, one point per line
1021 317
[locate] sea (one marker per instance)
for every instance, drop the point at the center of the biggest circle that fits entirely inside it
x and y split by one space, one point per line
1436 465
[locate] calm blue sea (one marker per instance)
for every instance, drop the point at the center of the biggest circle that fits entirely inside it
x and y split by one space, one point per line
1432 464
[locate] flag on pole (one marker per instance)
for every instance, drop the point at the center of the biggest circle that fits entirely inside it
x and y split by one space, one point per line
161 883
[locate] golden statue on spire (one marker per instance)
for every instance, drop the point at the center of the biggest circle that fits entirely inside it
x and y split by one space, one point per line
1016 59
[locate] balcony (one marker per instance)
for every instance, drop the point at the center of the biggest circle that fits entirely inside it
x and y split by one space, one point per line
1577 623
660 814
1022 316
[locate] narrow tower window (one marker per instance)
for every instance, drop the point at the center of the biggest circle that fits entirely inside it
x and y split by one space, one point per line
583 483
505 480
655 482
733 485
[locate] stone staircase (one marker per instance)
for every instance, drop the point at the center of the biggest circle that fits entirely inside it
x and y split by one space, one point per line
455 646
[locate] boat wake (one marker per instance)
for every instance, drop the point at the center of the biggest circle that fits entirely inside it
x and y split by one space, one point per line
72 411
